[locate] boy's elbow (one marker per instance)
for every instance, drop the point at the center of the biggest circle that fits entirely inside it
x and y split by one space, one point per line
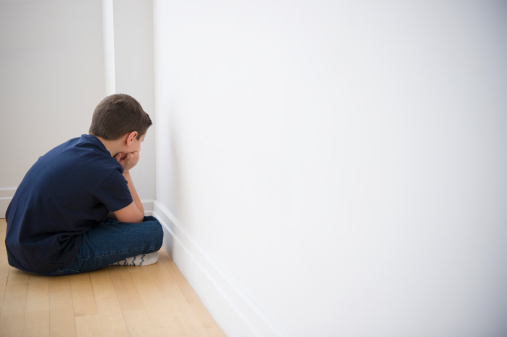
130 214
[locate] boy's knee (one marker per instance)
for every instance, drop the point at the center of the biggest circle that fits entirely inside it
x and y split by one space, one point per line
155 229
149 218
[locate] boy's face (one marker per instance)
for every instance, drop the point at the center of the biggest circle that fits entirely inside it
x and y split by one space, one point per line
135 145
132 143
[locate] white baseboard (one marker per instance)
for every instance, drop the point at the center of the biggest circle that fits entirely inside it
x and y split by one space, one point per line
148 206
232 308
6 194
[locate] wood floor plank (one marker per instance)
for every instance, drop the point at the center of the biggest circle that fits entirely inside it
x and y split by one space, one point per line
3 230
17 276
62 322
169 290
125 289
4 265
133 309
202 315
12 314
88 326
196 311
111 320
166 280
82 295
61 308
37 293
37 307
138 323
156 308
60 293
4 274
36 324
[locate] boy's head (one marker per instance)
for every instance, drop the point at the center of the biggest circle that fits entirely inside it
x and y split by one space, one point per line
117 115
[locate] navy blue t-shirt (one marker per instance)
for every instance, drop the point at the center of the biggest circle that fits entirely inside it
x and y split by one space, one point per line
66 192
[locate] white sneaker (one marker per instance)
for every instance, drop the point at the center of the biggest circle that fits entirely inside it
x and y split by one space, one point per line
138 260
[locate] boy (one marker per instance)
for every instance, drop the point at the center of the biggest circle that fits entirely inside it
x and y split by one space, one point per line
76 209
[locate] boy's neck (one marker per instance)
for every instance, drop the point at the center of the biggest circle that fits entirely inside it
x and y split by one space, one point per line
113 146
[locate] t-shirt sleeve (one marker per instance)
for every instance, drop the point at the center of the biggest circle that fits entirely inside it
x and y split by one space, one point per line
113 192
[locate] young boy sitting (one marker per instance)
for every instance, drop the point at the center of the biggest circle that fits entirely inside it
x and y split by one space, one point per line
76 209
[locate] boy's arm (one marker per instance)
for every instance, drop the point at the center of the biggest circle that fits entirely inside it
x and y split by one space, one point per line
133 213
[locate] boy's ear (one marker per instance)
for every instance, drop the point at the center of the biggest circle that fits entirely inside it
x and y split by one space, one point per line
131 136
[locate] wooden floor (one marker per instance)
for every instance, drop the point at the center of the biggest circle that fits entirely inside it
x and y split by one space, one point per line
143 301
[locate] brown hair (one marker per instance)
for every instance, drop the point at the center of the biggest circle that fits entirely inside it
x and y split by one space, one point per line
117 115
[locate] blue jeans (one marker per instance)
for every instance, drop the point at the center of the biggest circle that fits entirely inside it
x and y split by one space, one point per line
112 241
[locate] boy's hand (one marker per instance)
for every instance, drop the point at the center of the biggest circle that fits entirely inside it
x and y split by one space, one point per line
127 160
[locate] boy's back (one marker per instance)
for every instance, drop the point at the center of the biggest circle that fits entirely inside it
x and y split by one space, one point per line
65 193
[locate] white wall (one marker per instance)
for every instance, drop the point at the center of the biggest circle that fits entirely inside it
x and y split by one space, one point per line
333 169
52 75
133 75
51 79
